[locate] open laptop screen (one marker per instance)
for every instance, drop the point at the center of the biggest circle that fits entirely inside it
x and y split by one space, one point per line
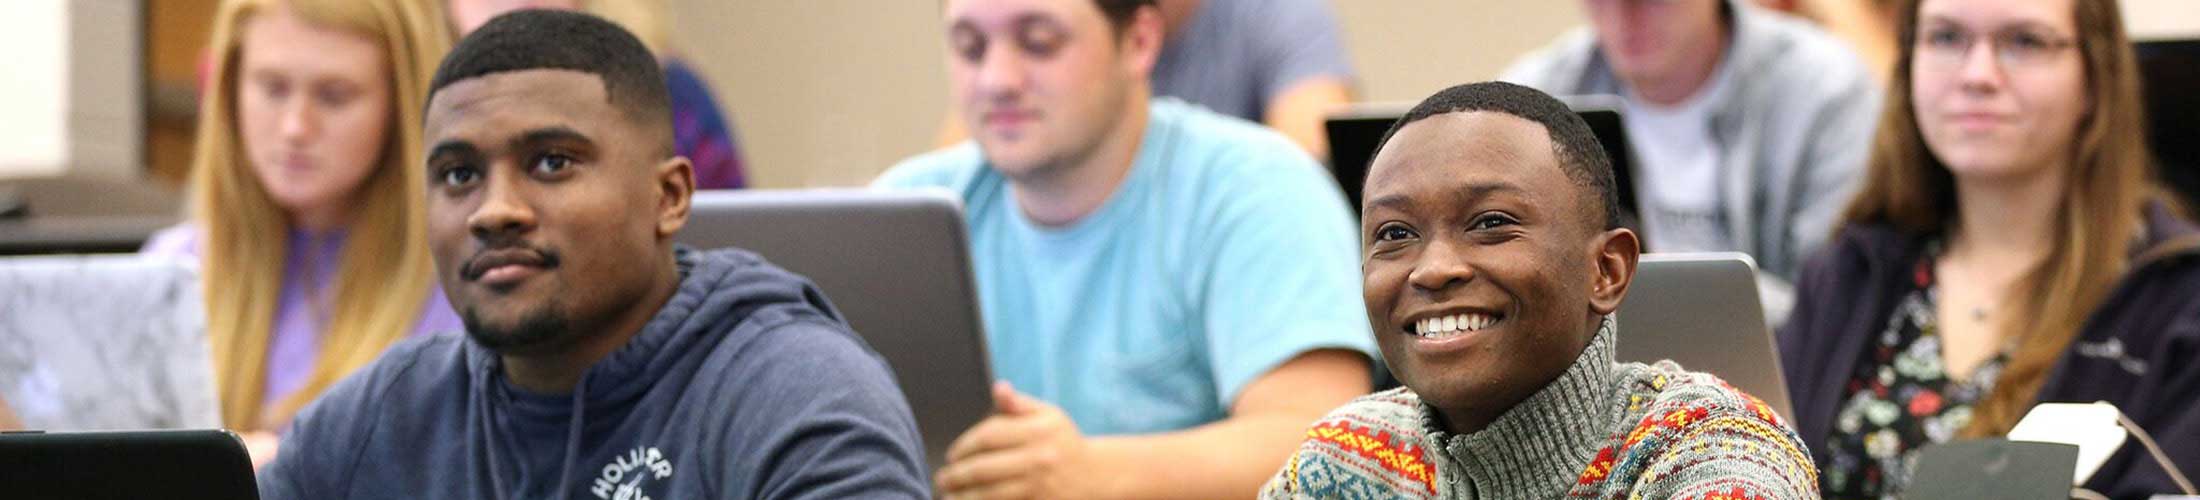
107 342
1354 134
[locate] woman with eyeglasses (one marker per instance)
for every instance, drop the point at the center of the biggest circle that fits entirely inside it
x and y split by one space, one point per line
2008 248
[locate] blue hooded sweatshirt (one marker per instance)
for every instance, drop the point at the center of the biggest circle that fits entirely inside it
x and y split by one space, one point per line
745 385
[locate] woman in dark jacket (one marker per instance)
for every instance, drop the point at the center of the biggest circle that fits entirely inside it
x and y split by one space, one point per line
2007 249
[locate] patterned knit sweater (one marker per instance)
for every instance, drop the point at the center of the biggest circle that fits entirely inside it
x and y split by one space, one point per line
1601 430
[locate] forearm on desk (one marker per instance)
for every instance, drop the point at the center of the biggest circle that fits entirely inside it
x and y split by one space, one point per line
1226 459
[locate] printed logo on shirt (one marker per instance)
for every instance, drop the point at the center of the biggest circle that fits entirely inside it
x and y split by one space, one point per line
2112 350
622 479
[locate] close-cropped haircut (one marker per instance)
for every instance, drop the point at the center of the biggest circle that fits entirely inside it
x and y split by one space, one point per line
1576 147
1121 12
554 39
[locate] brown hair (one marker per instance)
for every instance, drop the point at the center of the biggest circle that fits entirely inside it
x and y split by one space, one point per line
2097 217
1121 12
385 271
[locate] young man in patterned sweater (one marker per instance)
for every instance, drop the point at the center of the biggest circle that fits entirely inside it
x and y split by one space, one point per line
1493 263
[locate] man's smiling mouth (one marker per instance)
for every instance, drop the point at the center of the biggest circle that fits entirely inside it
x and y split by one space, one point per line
1450 325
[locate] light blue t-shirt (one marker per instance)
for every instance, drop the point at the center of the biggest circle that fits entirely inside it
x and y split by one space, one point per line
1225 252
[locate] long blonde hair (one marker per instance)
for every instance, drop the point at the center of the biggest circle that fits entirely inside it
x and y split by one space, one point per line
2099 213
385 270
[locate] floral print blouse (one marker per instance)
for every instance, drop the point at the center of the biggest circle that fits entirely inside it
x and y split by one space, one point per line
1899 400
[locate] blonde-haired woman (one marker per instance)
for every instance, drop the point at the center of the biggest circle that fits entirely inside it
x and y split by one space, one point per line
2008 249
306 199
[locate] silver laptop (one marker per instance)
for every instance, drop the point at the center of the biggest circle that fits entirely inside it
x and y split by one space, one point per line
109 342
1701 310
896 265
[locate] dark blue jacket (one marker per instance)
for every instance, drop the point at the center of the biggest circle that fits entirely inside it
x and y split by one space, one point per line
2137 351
745 385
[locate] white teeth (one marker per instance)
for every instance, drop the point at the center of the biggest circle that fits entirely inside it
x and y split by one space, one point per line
1447 325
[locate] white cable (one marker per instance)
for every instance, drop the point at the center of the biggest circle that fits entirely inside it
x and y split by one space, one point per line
2159 457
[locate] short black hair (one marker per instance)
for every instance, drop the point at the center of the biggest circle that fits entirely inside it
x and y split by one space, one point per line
555 39
1121 12
1576 147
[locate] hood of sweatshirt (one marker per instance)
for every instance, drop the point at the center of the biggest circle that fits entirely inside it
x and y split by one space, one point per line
717 290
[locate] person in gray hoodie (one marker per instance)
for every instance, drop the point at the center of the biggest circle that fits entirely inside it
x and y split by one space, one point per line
1749 127
600 359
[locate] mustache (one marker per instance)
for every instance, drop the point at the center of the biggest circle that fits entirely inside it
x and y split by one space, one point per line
507 253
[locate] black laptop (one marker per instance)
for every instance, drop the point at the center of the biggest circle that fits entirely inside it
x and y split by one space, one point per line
1354 134
187 464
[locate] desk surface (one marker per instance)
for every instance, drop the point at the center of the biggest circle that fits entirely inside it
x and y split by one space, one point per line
84 215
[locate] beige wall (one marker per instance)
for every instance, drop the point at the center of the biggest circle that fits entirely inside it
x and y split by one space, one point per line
2162 19
830 92
1406 50
821 92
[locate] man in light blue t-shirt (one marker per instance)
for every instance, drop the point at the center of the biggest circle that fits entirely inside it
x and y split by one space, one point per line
1170 294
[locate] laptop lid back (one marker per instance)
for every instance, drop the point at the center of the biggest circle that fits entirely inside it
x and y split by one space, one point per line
896 265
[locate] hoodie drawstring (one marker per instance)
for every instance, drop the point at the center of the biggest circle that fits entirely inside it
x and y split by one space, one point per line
494 447
573 439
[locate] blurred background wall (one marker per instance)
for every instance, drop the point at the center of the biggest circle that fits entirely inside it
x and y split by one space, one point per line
830 92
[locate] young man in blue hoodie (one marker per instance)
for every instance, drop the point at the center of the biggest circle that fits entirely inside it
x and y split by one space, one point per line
600 360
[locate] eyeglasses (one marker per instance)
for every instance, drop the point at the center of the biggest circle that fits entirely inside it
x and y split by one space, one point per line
1947 46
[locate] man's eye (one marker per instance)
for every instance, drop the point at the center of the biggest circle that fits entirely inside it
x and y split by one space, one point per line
1491 222
969 46
1041 41
552 163
459 176
1393 233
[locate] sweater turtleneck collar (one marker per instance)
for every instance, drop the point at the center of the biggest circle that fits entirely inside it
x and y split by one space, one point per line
1539 447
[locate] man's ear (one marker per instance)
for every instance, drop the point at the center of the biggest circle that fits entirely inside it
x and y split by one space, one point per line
1617 253
1140 43
676 193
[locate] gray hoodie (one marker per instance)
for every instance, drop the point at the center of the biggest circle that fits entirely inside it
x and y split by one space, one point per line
1796 127
745 385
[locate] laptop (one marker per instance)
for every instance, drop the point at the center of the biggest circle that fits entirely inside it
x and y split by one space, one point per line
896 265
108 342
1701 310
190 464
1354 133
1993 468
